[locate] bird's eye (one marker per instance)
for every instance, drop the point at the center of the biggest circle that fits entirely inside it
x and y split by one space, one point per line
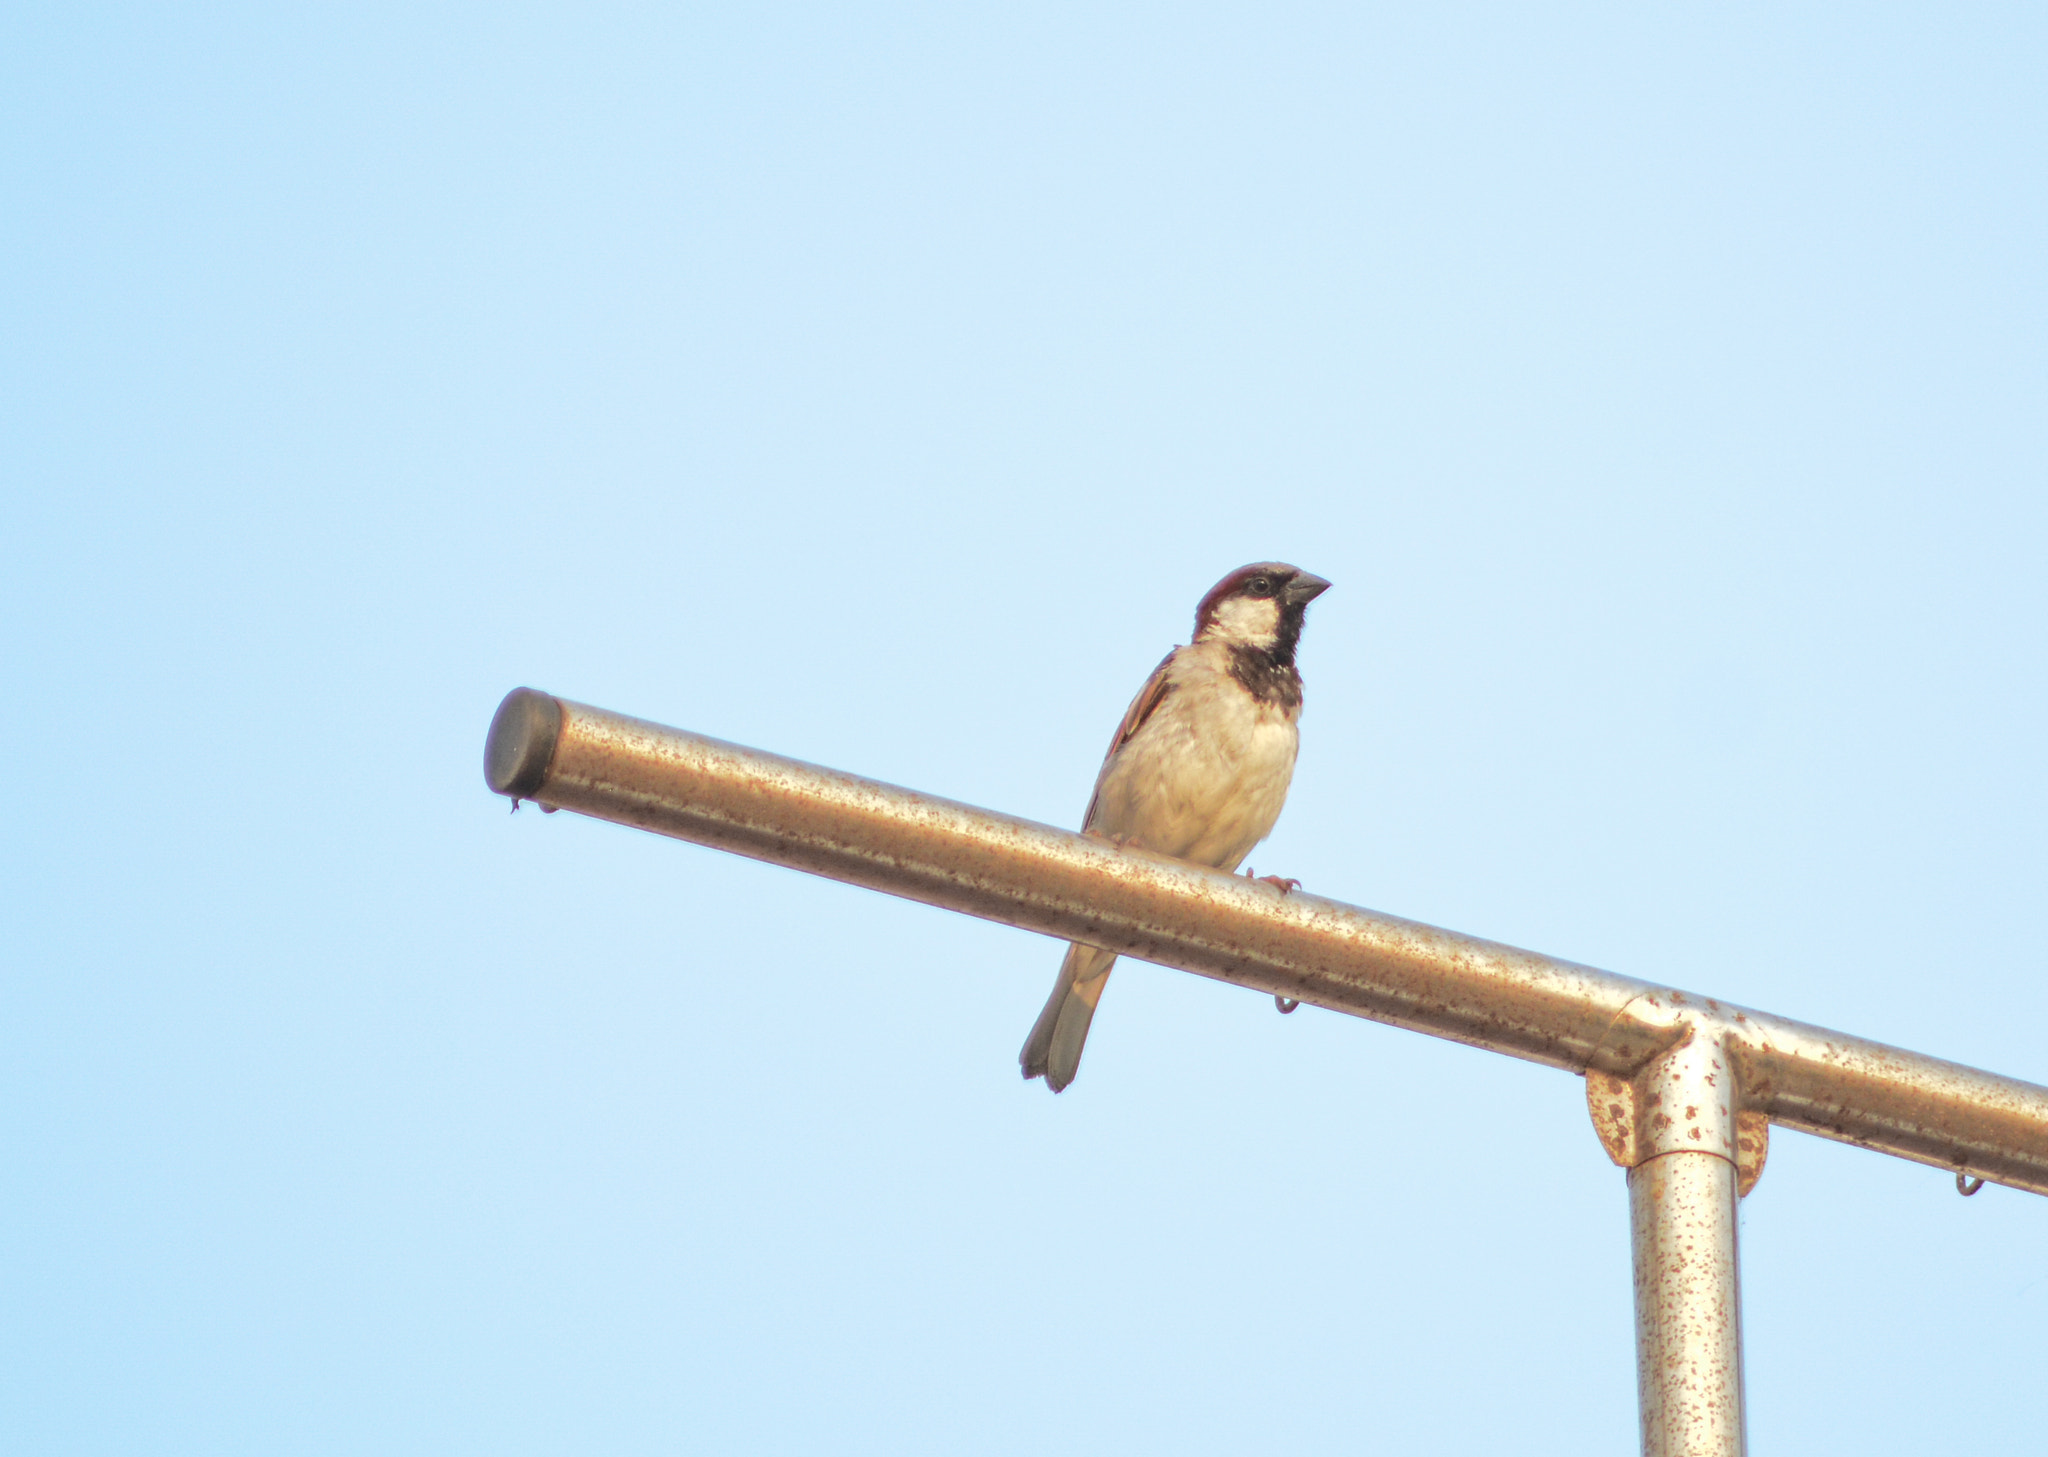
1262 586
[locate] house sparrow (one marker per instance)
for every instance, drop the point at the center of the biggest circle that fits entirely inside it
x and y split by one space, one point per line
1198 769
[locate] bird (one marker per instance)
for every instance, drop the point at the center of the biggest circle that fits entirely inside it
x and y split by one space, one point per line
1198 770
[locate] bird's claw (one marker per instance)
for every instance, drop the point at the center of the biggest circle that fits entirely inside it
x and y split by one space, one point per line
1281 883
1285 1004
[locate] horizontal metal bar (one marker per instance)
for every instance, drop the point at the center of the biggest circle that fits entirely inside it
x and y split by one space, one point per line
570 756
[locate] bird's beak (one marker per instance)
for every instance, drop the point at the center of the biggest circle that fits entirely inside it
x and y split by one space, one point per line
1305 589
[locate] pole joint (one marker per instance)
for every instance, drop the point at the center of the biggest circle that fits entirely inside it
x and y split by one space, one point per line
1689 1096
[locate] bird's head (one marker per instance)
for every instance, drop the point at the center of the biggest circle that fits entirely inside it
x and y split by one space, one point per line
1260 606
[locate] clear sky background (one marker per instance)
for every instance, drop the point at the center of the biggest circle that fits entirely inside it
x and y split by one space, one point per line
1665 391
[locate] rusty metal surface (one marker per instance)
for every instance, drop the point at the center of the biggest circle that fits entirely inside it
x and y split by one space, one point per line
1637 1118
1299 946
1688 1306
1679 1127
1683 1142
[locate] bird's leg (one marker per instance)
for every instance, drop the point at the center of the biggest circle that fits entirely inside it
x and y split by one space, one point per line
1281 883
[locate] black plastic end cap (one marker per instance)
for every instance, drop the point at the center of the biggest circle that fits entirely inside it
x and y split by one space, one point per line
522 743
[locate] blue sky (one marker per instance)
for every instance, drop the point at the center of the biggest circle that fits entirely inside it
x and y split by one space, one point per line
882 385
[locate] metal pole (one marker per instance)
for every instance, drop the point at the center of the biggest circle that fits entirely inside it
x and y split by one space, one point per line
570 756
1681 1089
1688 1317
1681 1201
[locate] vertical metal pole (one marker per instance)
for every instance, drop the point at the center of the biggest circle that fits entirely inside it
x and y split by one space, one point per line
1688 1306
1681 1197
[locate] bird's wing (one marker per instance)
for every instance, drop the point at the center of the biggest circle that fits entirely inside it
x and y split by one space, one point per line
1149 698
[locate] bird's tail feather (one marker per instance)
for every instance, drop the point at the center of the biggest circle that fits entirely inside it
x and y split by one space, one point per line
1053 1050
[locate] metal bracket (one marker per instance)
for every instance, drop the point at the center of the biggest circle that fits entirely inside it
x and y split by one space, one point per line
1635 1118
1617 1116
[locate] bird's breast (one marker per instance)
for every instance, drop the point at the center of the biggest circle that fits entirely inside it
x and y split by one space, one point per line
1206 776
